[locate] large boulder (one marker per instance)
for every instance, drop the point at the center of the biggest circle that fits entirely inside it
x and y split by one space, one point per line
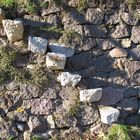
91 95
37 44
109 114
55 61
14 29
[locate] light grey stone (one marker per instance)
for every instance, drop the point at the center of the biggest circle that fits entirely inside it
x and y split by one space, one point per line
50 121
55 61
14 29
62 49
135 37
37 44
91 95
109 114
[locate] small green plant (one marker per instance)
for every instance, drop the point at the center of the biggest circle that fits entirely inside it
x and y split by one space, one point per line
8 3
132 3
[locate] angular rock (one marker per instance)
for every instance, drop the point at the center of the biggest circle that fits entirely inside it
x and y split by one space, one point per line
129 105
29 91
37 45
87 115
121 31
118 52
50 121
62 49
109 114
37 124
91 95
126 43
94 16
134 53
14 29
129 18
13 86
50 93
95 31
41 106
55 61
27 135
105 44
2 15
135 34
110 96
69 79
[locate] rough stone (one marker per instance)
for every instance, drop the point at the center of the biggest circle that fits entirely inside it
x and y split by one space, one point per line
94 16
129 18
121 31
37 124
130 92
13 86
91 95
126 43
118 52
37 45
134 53
27 135
41 106
69 79
29 91
110 96
55 61
109 114
87 115
129 105
62 49
50 93
50 121
95 31
105 44
135 34
14 29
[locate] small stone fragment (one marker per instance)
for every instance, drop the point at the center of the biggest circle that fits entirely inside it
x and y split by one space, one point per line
91 95
135 37
55 61
14 29
50 120
109 114
118 52
27 135
62 49
126 43
37 44
69 79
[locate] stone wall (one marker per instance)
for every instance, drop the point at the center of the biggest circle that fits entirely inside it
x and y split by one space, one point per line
93 59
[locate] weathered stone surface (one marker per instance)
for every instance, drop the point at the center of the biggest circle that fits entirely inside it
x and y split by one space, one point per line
91 95
62 119
109 114
29 91
87 115
68 93
13 86
55 61
126 43
121 31
37 124
130 92
62 49
110 96
41 106
135 80
118 52
135 34
94 16
37 44
14 29
134 53
129 105
7 130
27 135
87 44
1 15
95 31
69 79
19 115
50 93
129 18
50 121
106 44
